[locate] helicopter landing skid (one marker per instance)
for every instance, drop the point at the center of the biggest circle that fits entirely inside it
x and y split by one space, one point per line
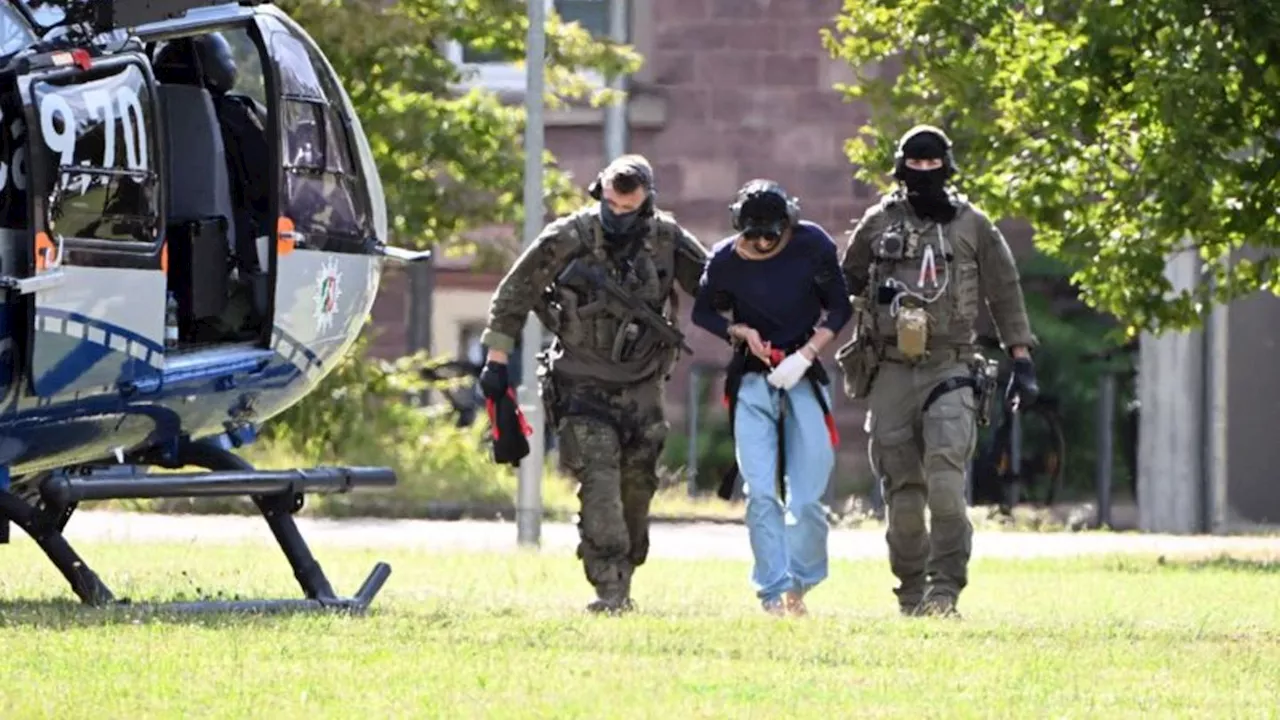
277 494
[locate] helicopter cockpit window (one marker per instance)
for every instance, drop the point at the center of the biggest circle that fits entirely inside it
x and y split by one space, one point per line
95 154
322 191
15 34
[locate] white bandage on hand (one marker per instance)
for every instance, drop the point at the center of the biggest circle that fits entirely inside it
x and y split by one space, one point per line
789 371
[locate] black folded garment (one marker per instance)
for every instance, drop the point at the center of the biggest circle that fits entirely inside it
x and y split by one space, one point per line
509 428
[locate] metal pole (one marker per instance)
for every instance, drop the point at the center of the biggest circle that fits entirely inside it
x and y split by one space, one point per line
1214 504
691 417
615 114
422 281
1106 423
529 489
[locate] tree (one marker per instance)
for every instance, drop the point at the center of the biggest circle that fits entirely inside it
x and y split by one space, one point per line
1124 132
450 160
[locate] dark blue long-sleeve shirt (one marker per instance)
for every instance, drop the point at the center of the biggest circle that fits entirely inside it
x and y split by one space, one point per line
783 297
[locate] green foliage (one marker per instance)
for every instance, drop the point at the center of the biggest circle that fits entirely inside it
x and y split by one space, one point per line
1123 131
715 452
450 160
1066 336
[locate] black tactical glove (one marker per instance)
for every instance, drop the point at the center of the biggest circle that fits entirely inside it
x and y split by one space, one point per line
493 380
507 423
1022 383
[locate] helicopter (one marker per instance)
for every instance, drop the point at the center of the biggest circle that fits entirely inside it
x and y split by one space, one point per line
192 233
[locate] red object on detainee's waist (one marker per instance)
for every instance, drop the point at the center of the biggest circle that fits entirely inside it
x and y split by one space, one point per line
775 358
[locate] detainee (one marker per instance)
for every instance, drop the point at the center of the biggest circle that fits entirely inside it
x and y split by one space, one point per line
775 291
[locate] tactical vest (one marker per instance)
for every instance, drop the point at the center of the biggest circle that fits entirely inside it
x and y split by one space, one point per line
927 265
595 337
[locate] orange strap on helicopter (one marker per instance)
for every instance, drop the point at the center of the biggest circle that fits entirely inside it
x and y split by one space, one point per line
286 236
44 248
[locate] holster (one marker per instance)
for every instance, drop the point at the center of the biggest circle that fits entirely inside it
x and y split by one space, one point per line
985 373
981 378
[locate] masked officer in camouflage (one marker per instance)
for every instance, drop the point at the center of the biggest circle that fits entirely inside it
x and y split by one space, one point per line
916 264
602 380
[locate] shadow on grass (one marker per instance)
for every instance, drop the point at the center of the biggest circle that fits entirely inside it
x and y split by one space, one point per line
1268 564
63 614
1229 563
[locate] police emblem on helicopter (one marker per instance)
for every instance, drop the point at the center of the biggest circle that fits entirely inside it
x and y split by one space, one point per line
328 290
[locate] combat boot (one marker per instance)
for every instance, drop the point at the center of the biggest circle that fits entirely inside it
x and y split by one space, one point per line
908 602
614 598
611 605
937 604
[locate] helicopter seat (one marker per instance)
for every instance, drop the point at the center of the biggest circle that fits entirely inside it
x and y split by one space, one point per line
201 217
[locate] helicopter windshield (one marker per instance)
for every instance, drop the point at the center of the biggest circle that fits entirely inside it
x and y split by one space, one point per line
46 13
15 32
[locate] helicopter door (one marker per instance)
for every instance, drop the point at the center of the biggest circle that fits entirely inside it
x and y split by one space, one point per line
97 266
326 251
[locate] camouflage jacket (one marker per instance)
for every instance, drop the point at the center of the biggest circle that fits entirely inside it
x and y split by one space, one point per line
594 338
970 260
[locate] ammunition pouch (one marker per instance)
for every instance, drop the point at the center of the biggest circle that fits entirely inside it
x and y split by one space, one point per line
859 359
912 325
860 363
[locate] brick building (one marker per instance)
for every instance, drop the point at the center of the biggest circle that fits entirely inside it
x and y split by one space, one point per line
730 90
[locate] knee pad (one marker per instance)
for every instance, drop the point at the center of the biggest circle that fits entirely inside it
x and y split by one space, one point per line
906 512
946 500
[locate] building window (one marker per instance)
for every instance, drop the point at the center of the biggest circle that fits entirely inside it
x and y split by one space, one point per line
469 348
500 73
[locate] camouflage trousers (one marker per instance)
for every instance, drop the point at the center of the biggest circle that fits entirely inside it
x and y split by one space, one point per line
610 439
921 457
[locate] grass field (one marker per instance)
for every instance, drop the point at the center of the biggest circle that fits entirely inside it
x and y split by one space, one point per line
502 635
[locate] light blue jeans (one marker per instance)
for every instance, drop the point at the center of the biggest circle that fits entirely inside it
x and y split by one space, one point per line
789 541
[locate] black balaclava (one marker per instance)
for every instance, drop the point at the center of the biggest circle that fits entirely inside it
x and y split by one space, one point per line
625 174
926 189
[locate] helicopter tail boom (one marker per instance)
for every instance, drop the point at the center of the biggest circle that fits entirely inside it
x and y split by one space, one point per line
277 494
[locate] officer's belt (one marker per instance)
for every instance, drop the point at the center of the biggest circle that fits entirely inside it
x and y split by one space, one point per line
892 354
624 424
